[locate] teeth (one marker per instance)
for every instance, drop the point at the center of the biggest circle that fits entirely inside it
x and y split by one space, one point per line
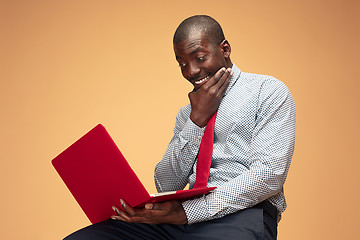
202 80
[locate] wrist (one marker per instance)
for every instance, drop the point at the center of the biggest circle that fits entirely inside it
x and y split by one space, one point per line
182 215
199 120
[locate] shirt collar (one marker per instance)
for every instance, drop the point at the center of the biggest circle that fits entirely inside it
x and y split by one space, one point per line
234 78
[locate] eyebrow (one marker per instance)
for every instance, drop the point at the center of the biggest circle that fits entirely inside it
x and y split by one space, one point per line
196 50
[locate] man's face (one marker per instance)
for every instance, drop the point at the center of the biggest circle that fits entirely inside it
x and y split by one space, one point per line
199 59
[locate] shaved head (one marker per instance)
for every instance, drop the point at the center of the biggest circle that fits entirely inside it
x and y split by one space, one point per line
208 26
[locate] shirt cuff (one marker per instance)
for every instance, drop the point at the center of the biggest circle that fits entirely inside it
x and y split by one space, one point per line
196 210
192 132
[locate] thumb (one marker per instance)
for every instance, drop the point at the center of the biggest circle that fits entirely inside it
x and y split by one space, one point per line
193 96
149 206
190 94
156 206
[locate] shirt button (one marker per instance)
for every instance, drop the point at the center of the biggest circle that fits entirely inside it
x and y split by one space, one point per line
199 137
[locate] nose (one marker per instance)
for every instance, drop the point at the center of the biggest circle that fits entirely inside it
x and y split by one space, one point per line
193 71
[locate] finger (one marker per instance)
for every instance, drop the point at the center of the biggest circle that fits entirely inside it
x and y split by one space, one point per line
120 213
127 208
146 218
155 206
214 79
120 218
225 82
223 78
116 210
222 90
149 206
217 86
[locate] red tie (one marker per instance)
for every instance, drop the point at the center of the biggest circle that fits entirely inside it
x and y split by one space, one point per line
205 155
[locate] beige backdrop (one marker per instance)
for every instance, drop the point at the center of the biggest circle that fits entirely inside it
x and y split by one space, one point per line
68 65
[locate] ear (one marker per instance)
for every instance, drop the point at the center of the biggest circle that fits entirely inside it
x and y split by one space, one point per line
225 48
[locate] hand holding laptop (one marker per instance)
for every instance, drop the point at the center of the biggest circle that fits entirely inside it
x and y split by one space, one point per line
170 212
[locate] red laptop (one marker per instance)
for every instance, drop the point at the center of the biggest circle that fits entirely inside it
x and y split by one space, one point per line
87 168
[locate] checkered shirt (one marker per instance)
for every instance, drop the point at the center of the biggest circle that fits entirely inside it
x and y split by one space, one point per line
253 145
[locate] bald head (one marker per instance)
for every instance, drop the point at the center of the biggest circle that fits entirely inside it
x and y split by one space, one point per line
208 26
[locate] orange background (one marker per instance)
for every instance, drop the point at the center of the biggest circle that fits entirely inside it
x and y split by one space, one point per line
68 65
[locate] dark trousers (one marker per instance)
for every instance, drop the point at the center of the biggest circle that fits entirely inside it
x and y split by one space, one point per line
259 222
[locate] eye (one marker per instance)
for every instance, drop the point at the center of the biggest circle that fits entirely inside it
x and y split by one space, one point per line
201 59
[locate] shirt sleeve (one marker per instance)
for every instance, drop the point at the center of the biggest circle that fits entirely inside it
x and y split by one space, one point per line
172 172
269 158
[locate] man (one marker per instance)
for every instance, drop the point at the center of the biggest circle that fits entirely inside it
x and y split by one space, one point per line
253 145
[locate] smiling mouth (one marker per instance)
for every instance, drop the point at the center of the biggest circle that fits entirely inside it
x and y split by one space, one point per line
202 80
